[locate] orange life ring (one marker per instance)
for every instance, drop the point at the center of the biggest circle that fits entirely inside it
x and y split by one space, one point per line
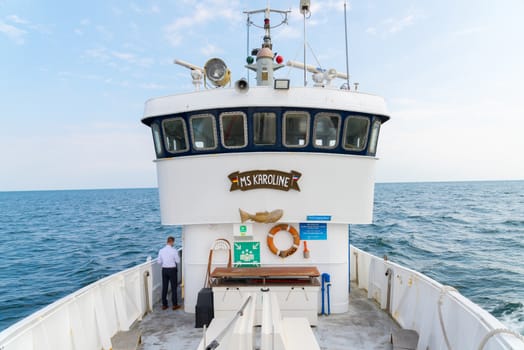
271 245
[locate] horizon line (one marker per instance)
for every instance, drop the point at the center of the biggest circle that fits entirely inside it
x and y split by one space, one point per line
156 187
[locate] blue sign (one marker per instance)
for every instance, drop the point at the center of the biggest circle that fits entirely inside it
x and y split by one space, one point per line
319 218
311 231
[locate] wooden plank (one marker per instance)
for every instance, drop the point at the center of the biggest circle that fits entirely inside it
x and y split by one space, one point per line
274 271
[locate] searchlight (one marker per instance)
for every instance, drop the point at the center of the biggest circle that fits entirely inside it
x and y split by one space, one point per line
217 72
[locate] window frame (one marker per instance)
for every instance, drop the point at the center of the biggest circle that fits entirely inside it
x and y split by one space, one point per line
372 143
166 145
346 121
275 115
337 137
202 115
157 139
246 136
308 126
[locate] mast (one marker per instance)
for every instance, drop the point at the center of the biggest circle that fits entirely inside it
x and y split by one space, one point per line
265 65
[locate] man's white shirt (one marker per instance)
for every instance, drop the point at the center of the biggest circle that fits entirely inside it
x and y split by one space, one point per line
168 257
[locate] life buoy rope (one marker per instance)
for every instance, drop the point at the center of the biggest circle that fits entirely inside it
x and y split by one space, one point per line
271 244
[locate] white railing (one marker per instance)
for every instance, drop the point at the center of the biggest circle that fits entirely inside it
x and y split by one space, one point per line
443 318
88 318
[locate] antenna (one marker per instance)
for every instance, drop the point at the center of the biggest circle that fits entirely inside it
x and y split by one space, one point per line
304 10
347 44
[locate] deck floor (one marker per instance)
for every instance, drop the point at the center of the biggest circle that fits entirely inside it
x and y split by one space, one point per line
364 327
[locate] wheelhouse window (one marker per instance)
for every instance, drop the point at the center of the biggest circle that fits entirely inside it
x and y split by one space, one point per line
356 133
264 128
373 139
175 135
296 129
326 130
157 139
233 129
203 132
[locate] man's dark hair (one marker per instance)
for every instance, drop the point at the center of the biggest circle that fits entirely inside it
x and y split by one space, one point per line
170 239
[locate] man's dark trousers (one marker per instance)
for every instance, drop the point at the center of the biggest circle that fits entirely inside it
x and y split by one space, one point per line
169 275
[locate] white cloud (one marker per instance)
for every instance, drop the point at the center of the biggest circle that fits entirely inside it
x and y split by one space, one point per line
125 56
136 8
327 6
13 33
140 10
133 59
203 12
113 57
393 25
470 30
152 86
288 32
371 30
16 19
106 34
211 50
98 53
397 25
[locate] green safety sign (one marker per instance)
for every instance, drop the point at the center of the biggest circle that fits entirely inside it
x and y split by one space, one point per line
246 254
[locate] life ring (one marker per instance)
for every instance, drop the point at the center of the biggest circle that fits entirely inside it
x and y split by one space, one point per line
271 245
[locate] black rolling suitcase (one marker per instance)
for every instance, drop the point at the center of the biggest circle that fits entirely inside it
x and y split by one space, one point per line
204 311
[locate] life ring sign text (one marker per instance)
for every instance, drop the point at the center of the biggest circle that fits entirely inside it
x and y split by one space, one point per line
272 179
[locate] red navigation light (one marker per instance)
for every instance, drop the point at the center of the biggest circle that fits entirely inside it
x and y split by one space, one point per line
279 59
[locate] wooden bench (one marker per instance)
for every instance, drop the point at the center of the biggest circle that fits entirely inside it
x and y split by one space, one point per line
263 273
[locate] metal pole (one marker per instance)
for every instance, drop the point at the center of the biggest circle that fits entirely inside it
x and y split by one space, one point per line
247 45
347 44
216 342
305 81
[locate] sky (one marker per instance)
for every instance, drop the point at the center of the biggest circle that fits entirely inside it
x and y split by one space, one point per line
74 77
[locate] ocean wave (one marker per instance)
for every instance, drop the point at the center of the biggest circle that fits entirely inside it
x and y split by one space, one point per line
511 315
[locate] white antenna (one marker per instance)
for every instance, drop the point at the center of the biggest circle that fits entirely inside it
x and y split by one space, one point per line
305 10
347 44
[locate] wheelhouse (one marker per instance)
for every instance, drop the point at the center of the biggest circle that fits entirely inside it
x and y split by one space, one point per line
265 129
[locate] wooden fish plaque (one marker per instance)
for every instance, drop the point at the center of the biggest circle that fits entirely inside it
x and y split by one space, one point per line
272 179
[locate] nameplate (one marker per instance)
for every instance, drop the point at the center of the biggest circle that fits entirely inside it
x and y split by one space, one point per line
272 179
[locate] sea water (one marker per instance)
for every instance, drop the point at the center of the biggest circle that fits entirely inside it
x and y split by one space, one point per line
469 235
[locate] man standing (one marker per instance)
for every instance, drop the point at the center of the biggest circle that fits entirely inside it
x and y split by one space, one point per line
168 258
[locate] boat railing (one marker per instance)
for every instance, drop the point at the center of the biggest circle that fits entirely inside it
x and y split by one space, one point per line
443 318
89 317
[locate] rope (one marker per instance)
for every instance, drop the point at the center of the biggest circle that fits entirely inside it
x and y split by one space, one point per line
447 289
499 331
314 56
444 291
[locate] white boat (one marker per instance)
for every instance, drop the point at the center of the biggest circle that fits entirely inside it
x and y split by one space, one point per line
252 173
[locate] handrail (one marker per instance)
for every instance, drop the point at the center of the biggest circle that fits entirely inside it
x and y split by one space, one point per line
484 324
91 297
216 342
